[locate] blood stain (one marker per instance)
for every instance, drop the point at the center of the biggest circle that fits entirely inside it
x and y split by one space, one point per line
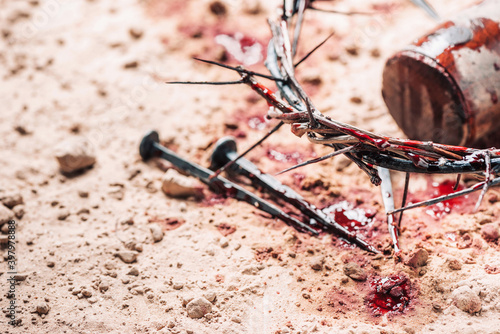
226 229
443 208
246 50
346 215
389 294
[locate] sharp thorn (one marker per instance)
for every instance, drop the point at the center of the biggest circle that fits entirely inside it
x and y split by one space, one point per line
313 50
328 156
403 203
463 192
332 11
239 70
458 182
260 141
215 83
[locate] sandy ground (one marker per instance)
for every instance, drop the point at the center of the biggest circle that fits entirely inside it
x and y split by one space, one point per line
95 70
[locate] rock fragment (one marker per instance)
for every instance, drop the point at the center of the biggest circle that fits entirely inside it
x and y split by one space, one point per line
135 33
18 211
354 271
454 264
316 263
466 300
74 155
156 232
177 285
11 200
175 184
418 258
198 307
42 308
104 286
133 272
127 256
63 214
210 296
489 232
5 215
224 242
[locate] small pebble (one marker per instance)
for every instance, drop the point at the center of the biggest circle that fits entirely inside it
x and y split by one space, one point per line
18 211
156 232
63 214
236 319
83 193
174 184
224 242
198 307
131 64
86 293
20 277
42 308
133 272
12 200
210 296
104 286
177 285
354 271
74 154
135 33
454 264
109 265
356 100
127 256
316 263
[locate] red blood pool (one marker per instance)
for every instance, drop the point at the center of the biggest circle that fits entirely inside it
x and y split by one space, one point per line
244 49
444 188
346 215
389 294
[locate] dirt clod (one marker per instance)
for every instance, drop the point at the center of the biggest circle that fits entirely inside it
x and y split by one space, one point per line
466 300
354 271
417 258
489 232
454 264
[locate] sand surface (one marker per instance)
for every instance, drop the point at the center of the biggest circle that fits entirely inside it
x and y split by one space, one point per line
96 70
